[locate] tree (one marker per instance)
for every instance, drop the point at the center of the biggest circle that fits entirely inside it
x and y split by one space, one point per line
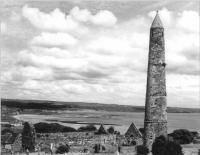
63 149
87 128
117 133
158 147
162 146
173 148
182 136
111 130
195 134
142 150
52 128
28 138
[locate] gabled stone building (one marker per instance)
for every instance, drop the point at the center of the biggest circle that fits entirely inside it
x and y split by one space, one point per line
133 135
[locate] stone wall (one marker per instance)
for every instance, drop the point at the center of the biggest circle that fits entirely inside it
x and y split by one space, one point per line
76 140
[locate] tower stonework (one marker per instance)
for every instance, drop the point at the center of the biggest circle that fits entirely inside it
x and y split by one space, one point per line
155 121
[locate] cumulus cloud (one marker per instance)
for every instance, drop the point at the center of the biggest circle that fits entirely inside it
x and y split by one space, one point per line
54 39
99 58
189 20
3 28
102 18
60 21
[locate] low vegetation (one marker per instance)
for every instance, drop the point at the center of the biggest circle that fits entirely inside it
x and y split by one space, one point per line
63 149
111 130
162 146
183 136
142 150
87 128
52 128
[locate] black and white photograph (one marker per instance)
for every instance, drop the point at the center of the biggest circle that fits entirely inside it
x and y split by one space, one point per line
100 77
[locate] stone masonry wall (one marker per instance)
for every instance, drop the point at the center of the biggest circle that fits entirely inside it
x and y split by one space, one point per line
155 109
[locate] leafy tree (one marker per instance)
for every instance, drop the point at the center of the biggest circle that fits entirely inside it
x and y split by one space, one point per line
63 149
142 150
52 128
158 147
182 136
163 146
111 130
28 139
195 134
173 148
87 128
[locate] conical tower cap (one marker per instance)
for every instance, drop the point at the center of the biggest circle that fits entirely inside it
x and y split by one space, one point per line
157 22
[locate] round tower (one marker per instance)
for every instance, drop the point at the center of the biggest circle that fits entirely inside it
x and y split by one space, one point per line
155 121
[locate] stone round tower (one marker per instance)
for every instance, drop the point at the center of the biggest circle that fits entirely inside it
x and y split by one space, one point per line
155 121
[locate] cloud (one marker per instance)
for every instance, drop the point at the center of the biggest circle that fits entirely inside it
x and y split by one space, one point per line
60 21
189 20
182 40
97 57
3 27
32 58
54 40
102 18
186 20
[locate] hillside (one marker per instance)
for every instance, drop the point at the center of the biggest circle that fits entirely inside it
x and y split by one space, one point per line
57 105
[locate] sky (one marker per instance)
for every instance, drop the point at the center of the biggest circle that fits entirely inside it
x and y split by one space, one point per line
96 51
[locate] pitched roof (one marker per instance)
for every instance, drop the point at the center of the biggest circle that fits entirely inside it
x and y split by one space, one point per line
101 130
157 22
132 130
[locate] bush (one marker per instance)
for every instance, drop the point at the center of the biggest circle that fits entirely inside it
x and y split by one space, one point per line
142 150
111 130
182 136
87 128
117 133
173 148
52 128
162 146
195 134
158 147
96 148
62 149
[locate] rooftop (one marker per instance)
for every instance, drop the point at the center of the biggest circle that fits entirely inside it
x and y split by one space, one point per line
157 21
